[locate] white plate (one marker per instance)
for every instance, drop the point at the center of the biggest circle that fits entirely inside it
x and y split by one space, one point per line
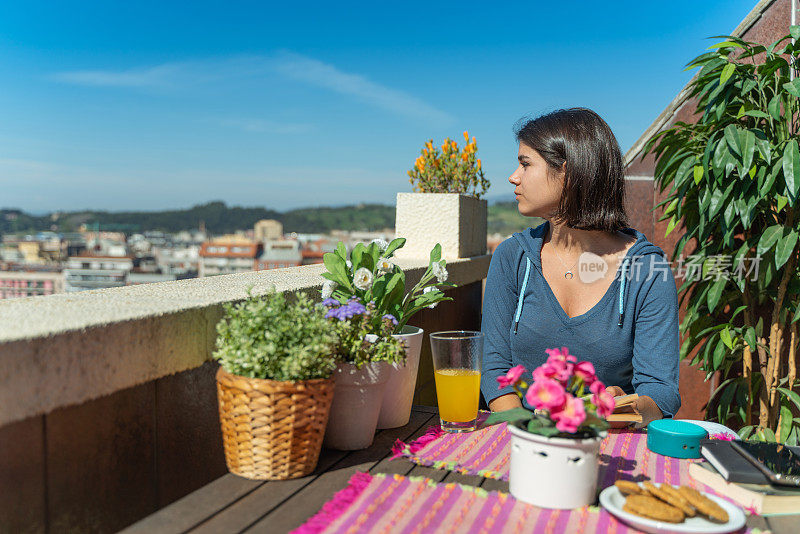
612 500
713 428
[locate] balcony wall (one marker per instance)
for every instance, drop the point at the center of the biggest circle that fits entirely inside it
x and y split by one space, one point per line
108 408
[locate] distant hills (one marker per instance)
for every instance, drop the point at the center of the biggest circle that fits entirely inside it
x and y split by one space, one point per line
219 218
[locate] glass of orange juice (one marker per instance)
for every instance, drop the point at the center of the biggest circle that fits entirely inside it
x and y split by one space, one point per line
457 356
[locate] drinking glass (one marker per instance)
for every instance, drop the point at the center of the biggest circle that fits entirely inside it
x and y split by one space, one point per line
457 356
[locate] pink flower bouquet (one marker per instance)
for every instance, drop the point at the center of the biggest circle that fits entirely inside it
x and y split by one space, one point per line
566 395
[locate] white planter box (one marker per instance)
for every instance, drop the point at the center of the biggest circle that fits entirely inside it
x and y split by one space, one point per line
456 221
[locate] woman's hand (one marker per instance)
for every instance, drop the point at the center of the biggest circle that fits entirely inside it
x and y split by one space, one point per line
646 406
509 401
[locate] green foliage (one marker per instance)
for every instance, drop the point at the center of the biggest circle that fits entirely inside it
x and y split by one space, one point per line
271 337
217 217
503 218
371 277
732 182
12 220
449 170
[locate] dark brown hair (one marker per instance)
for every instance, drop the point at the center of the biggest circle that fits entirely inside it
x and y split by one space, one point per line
593 197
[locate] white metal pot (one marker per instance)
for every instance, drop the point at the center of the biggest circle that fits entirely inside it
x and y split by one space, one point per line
396 407
553 472
357 399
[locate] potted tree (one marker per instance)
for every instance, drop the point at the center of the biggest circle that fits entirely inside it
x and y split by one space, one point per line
448 183
732 181
274 385
366 292
558 439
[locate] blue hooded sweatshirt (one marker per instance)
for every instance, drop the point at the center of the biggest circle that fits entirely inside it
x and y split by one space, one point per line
630 335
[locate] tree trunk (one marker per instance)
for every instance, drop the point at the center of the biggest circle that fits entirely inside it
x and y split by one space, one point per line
763 392
792 371
747 361
776 349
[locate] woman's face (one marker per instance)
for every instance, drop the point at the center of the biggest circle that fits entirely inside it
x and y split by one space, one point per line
537 186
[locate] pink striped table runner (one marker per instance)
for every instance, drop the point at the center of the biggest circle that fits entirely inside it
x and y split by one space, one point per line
623 455
396 504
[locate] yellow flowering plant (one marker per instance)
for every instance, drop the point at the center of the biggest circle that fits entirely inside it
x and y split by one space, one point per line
449 169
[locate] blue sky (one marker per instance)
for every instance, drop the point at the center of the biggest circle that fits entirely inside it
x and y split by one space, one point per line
153 105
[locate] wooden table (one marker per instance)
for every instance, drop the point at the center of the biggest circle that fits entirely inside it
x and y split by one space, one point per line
234 504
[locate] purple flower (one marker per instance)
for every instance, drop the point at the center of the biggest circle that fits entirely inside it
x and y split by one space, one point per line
329 302
355 308
334 313
346 311
390 317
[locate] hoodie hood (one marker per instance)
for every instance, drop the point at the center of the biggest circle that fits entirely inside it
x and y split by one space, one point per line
531 241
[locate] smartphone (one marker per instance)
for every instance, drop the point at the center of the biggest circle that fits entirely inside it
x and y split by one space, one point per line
779 463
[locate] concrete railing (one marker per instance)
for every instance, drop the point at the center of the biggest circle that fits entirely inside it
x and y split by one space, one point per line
66 349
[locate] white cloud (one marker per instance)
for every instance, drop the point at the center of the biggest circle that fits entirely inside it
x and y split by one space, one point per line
158 76
289 65
324 75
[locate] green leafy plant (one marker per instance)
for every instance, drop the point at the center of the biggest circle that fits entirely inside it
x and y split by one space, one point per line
733 180
359 340
370 276
449 170
273 337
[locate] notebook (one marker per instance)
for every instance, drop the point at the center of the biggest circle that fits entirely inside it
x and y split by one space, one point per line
762 499
729 463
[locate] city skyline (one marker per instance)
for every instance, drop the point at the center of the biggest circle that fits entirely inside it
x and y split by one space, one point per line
153 107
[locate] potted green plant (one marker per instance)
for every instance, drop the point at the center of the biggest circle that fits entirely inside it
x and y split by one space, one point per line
732 182
274 384
448 183
557 438
368 282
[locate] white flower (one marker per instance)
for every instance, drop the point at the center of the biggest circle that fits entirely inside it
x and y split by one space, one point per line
382 243
428 290
349 264
362 278
385 265
439 272
327 289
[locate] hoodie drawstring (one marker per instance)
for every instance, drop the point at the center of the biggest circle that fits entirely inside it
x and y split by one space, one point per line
521 296
622 291
522 293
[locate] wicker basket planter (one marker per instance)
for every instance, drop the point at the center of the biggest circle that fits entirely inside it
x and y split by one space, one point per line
272 430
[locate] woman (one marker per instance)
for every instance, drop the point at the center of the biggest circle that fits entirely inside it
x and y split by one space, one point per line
581 279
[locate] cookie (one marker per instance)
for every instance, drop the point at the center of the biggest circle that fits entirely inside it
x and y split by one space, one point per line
670 496
652 508
704 505
626 487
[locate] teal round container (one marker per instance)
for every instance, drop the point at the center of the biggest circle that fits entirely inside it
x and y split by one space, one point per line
677 439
